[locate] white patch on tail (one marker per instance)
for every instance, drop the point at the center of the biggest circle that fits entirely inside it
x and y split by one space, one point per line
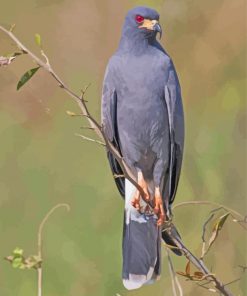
135 281
131 212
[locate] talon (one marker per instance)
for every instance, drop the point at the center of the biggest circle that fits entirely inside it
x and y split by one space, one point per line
136 202
147 209
158 207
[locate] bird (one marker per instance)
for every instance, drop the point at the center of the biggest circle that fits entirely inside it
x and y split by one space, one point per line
142 117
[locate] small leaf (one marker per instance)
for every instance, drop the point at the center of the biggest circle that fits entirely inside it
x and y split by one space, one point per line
17 262
198 274
26 77
38 39
70 113
217 227
18 252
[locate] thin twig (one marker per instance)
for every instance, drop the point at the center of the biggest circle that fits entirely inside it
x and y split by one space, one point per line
116 176
83 91
45 56
199 264
87 127
209 203
90 140
234 281
174 278
39 242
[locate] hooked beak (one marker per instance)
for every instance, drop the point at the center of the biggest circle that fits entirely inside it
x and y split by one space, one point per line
152 25
158 29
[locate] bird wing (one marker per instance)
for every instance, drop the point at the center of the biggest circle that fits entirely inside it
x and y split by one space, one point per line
176 128
109 124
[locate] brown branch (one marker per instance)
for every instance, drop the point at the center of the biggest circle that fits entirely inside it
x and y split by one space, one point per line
126 170
90 140
81 103
199 264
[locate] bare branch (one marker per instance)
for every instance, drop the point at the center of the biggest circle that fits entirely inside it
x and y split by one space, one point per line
81 103
90 140
83 91
174 278
87 127
118 176
199 264
39 242
211 203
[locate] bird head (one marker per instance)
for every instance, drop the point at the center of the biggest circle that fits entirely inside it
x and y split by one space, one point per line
143 21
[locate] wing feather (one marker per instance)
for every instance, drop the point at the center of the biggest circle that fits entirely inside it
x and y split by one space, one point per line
176 127
109 124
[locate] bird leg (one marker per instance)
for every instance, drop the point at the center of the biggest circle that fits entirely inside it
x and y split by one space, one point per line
136 202
158 207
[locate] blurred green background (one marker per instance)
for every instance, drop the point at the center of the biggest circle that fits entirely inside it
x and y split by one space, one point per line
42 163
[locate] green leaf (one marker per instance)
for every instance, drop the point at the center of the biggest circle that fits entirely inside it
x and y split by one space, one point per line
17 252
17 262
38 39
29 74
216 229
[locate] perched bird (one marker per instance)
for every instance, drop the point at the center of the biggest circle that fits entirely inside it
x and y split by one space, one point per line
142 115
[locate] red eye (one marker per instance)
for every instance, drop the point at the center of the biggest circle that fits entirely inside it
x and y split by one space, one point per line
139 19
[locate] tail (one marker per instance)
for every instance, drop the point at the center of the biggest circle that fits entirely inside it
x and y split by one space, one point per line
141 245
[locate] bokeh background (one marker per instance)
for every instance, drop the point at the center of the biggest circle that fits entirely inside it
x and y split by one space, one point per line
42 163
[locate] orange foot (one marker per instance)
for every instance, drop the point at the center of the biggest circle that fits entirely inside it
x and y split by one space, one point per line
136 202
158 207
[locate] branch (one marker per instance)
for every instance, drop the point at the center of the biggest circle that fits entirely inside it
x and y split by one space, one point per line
174 278
90 140
209 203
39 242
82 105
233 212
199 264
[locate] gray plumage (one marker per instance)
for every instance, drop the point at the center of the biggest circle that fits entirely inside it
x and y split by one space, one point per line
142 115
